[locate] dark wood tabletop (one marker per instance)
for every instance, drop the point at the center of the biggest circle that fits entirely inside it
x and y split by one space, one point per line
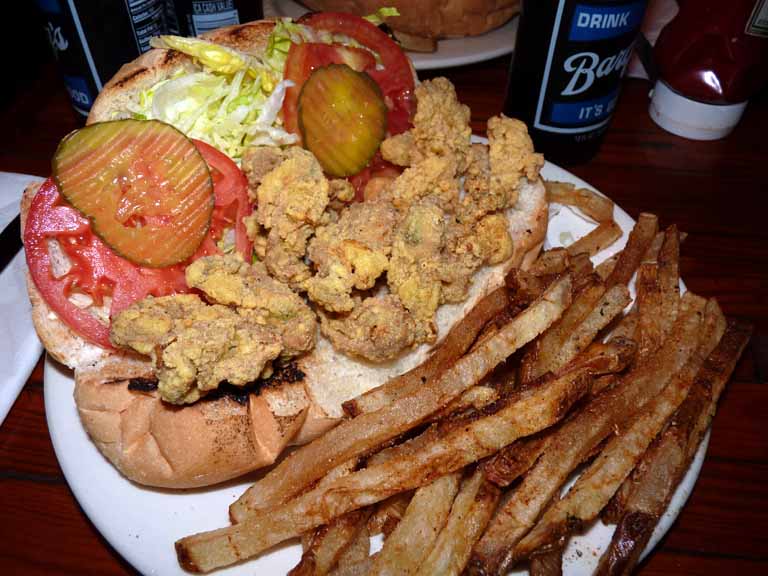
714 191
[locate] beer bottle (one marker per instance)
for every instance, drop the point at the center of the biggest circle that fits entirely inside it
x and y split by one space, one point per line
566 71
91 40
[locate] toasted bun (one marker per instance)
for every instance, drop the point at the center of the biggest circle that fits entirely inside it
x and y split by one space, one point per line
159 64
157 444
219 438
431 18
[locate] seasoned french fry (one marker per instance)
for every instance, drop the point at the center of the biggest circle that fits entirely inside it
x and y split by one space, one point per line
548 562
605 234
523 413
625 327
669 278
652 252
647 492
603 477
470 514
649 329
355 554
361 434
413 537
514 460
456 343
605 357
551 262
477 397
592 204
329 543
582 271
388 513
578 436
605 268
606 308
640 238
540 357
361 568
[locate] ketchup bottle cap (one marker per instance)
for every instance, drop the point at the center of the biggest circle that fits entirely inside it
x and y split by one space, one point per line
691 118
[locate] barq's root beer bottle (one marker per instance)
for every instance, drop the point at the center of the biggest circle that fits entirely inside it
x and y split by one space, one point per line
566 72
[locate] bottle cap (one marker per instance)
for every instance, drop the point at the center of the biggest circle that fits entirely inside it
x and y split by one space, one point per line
691 118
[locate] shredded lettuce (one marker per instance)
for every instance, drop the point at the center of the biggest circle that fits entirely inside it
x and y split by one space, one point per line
232 102
285 33
215 57
378 17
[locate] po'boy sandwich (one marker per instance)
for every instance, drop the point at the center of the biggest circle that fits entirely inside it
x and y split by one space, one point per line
258 225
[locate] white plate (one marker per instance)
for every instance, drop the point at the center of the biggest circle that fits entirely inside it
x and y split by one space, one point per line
21 348
450 52
142 523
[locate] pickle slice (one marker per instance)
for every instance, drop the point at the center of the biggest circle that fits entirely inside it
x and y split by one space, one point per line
143 185
342 118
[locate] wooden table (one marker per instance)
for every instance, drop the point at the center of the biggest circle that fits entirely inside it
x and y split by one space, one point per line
712 190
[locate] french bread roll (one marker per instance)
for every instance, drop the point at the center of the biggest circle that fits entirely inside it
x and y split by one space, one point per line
431 18
220 438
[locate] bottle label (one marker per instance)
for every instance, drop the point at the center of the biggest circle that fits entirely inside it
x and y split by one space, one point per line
209 15
590 48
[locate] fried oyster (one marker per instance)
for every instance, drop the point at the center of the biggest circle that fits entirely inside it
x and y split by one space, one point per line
251 321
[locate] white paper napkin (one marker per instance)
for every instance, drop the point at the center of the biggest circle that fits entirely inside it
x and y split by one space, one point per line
19 346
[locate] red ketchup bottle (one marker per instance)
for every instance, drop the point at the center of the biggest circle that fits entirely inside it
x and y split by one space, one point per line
711 58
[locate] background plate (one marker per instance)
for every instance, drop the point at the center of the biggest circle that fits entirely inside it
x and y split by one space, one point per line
143 523
450 52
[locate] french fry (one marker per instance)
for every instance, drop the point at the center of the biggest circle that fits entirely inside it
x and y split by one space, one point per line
592 204
355 554
640 238
582 271
361 568
578 437
329 543
456 343
359 435
540 357
477 398
669 278
652 252
596 485
649 328
413 537
470 514
625 327
551 263
579 336
514 460
649 489
605 234
388 513
523 413
548 562
606 309
603 382
605 357
605 268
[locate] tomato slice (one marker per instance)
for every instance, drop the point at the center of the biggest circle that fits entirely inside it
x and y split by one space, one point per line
394 76
98 272
231 202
